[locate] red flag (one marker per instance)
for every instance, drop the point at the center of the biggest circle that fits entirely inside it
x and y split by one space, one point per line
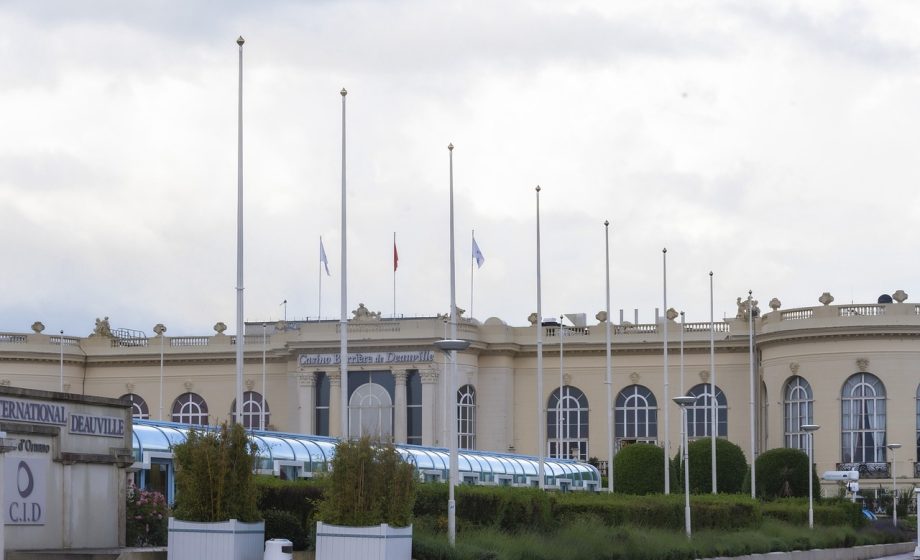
395 257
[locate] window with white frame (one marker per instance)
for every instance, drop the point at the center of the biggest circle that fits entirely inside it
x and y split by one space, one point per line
567 424
190 408
466 417
863 419
138 406
798 410
636 415
699 414
253 405
370 413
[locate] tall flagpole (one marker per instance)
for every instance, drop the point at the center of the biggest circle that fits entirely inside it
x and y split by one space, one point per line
750 306
713 405
682 317
395 266
559 437
610 435
541 422
472 240
319 300
240 327
667 399
343 318
452 376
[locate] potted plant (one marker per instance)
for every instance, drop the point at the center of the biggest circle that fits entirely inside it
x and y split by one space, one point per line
215 514
367 509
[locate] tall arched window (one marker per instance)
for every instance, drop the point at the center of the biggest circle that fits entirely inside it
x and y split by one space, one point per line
190 408
252 411
636 415
863 419
370 413
466 417
798 409
699 414
567 424
138 406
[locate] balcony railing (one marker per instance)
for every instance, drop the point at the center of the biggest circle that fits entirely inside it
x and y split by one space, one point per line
867 470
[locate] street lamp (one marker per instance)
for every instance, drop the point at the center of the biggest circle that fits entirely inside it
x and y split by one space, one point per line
452 346
683 403
894 482
810 430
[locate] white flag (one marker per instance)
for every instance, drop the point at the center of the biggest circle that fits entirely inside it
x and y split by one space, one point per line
322 256
477 254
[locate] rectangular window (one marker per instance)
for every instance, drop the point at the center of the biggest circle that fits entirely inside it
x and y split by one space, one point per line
321 419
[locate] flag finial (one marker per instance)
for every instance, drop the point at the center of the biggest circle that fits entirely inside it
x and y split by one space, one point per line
343 92
240 41
450 146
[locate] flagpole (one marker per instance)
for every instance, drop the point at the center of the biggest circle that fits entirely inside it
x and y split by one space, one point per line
343 319
541 424
610 434
454 473
395 266
472 241
240 327
713 405
559 439
667 399
319 300
750 306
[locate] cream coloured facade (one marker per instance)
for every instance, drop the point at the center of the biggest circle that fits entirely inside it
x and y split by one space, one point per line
852 369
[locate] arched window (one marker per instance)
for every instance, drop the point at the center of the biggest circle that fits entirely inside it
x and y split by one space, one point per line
466 417
636 415
798 409
863 419
699 414
252 411
370 413
567 424
138 406
190 408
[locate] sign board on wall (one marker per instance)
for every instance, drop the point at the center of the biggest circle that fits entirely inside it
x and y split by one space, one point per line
367 358
25 483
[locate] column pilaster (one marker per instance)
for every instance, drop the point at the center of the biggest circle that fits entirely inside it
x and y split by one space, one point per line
400 410
335 403
307 398
429 402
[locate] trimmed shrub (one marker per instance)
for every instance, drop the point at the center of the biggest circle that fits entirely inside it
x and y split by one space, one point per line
505 508
828 512
214 480
281 524
295 497
369 484
731 466
639 469
783 473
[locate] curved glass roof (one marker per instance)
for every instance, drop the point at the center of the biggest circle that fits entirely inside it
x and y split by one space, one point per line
315 452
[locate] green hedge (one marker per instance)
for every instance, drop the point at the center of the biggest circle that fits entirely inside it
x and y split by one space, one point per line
731 466
298 497
827 512
505 508
660 511
783 473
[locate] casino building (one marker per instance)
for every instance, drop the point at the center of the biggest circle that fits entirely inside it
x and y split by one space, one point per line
852 369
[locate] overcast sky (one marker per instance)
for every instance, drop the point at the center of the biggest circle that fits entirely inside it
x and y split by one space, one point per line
773 143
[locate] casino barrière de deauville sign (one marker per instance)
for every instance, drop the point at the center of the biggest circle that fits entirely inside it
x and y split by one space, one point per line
367 358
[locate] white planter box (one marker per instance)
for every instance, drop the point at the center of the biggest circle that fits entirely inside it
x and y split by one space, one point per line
379 542
225 540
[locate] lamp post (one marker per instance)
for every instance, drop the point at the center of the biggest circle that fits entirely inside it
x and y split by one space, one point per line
451 346
894 481
810 429
683 402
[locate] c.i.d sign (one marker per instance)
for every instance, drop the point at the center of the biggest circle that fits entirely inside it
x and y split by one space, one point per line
24 490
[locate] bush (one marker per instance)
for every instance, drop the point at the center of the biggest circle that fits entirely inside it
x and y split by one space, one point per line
731 466
368 485
147 518
299 497
639 469
504 508
281 524
783 473
214 480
